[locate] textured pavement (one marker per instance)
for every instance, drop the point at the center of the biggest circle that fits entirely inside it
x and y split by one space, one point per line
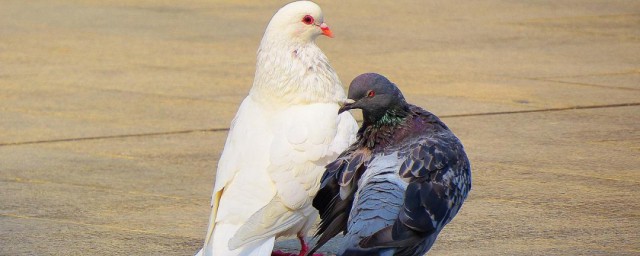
113 115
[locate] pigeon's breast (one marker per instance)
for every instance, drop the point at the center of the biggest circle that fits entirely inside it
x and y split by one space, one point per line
298 74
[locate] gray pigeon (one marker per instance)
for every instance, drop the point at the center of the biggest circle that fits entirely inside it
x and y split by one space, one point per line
399 184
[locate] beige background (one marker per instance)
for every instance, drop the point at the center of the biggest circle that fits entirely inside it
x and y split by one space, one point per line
113 115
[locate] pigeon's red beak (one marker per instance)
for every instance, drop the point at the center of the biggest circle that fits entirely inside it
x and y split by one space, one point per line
325 30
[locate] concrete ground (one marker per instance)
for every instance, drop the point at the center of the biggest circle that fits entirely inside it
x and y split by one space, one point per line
113 114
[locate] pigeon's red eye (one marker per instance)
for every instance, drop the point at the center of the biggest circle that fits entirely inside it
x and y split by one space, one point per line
307 19
371 94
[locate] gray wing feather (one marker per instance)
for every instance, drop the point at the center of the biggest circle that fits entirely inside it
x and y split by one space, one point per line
378 200
438 173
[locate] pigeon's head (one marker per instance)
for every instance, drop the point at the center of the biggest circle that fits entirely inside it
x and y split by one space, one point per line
375 95
299 21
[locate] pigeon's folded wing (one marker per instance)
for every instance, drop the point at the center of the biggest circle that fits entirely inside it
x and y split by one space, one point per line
337 191
434 169
249 123
303 142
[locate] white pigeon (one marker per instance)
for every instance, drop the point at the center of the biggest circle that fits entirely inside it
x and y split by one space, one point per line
284 133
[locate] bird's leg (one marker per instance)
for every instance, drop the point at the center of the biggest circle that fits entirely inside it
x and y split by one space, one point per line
304 248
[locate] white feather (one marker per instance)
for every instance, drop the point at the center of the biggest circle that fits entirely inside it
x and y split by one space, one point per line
283 135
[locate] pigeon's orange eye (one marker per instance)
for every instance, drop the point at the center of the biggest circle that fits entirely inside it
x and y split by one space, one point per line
307 19
371 94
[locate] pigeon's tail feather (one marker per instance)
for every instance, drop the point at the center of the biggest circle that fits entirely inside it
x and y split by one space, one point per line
396 235
208 243
263 248
220 240
217 245
269 221
369 252
329 230
406 243
215 202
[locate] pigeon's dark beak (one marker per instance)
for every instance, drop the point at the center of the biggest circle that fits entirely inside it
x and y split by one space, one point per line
346 105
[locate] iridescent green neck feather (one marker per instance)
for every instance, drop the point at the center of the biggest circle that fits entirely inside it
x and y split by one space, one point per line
391 118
